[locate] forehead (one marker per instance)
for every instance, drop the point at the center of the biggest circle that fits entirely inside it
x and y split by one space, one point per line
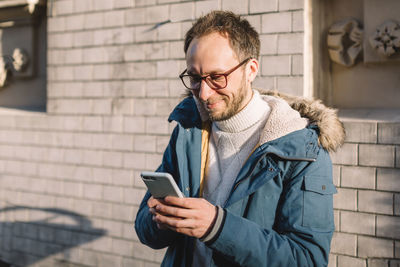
210 51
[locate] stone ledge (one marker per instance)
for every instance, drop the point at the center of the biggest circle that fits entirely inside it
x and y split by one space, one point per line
370 115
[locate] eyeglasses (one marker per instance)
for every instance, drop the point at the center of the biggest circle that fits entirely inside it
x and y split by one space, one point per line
215 81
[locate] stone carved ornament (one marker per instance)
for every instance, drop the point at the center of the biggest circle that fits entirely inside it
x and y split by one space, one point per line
386 39
17 62
345 41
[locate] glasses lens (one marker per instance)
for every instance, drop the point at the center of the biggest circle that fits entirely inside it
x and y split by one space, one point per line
216 81
191 82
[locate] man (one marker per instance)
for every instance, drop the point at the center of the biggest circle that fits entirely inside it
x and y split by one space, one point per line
256 174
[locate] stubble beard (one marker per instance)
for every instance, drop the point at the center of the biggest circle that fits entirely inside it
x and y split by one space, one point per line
232 108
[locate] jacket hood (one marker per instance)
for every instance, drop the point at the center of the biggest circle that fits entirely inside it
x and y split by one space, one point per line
331 130
282 120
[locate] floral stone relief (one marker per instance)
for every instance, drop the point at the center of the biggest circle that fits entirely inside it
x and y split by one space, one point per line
386 39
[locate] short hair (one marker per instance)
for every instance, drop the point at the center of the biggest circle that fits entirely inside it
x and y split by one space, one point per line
243 38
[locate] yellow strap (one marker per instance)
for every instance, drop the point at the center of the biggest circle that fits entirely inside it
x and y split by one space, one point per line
205 138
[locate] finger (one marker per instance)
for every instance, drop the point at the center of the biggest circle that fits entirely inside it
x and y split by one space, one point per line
181 202
175 222
174 211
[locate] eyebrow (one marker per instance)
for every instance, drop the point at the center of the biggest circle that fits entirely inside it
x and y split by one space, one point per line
192 72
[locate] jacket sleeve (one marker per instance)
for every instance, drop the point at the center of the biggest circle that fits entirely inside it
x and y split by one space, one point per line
146 229
303 226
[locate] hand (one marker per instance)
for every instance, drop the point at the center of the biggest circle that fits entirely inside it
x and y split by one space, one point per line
189 216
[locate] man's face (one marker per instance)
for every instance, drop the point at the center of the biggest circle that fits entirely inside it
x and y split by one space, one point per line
213 54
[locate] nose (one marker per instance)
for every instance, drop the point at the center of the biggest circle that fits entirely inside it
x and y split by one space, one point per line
205 91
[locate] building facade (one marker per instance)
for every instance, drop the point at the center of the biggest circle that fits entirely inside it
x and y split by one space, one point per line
88 112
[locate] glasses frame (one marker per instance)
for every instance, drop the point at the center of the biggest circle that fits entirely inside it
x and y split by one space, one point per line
209 83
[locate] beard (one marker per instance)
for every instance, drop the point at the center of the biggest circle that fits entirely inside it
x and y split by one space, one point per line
233 107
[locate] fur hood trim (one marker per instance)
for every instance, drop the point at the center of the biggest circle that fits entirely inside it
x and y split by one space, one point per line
331 130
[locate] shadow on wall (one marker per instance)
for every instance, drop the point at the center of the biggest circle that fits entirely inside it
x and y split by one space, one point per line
29 235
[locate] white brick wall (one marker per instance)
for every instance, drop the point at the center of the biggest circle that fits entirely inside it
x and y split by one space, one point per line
112 81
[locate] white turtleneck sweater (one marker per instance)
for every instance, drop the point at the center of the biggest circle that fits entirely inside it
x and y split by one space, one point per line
231 143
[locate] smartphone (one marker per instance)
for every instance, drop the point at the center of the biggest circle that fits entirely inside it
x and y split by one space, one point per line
161 184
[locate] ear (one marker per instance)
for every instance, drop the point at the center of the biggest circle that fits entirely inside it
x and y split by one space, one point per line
251 70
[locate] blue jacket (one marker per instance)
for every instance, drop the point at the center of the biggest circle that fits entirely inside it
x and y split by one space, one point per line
280 210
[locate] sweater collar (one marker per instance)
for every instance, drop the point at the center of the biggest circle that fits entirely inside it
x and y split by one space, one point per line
252 113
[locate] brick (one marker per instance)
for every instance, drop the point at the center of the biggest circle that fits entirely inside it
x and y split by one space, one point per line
92 123
145 2
144 70
156 125
336 217
260 6
122 142
176 50
336 173
394 263
135 16
93 191
358 177
275 65
81 39
374 247
157 88
144 107
157 50
102 209
112 159
267 83
63 7
290 4
297 65
397 249
397 204
103 244
360 132
332 260
345 199
82 6
165 106
122 177
74 22
398 157
134 124
92 157
134 88
184 11
84 72
93 20
122 247
122 106
83 207
113 124
162 142
346 155
72 189
276 22
153 161
169 31
134 160
113 194
388 179
290 85
377 155
168 68
103 5
376 202
133 195
144 143
123 212
344 244
290 43
113 228
114 18
204 7
155 14
345 261
358 223
269 44
298 21
255 21
388 226
389 133
236 6
56 24
378 263
123 3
